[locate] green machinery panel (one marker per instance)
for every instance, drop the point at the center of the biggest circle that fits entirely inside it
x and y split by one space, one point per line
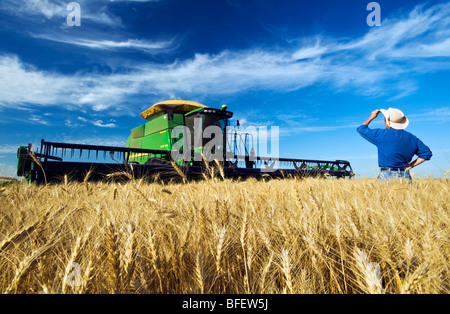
155 134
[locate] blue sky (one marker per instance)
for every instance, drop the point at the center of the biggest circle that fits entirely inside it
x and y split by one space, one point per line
316 70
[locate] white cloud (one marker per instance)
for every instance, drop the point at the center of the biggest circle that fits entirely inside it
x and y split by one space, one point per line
231 72
101 124
47 8
96 122
20 83
437 49
136 44
71 124
8 149
100 107
102 18
437 114
310 52
109 44
37 119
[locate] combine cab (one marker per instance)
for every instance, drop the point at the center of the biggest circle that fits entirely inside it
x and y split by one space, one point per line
178 129
180 140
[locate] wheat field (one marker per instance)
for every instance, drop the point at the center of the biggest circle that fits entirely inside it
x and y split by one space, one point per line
298 236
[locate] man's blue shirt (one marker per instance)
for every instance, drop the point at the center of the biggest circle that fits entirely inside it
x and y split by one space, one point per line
396 148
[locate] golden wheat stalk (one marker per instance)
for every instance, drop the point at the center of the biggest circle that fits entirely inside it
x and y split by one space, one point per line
130 253
199 278
86 179
113 255
209 169
139 286
243 240
155 259
369 273
115 193
69 266
178 170
31 154
262 279
24 267
220 248
220 166
286 268
85 279
144 196
9 179
185 243
413 282
313 199
243 237
119 174
81 283
18 236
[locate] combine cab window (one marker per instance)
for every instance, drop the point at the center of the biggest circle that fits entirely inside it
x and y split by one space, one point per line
197 124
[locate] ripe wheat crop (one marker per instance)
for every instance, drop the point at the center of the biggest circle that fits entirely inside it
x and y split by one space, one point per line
220 236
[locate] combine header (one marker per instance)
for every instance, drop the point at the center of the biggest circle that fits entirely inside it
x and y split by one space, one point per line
181 140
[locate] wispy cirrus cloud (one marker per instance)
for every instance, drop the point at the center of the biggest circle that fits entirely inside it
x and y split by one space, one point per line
310 52
8 149
47 8
437 114
163 46
96 122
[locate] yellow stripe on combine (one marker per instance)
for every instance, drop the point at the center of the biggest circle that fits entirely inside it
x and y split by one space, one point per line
132 156
141 155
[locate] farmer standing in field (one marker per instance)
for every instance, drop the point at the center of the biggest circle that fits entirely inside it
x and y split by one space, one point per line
396 147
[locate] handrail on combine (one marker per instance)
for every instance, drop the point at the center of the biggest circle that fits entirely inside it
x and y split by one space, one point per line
50 149
299 165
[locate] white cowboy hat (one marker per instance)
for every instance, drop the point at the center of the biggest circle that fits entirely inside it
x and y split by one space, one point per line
395 118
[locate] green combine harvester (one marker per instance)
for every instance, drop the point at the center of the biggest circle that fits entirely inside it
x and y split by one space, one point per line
181 140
